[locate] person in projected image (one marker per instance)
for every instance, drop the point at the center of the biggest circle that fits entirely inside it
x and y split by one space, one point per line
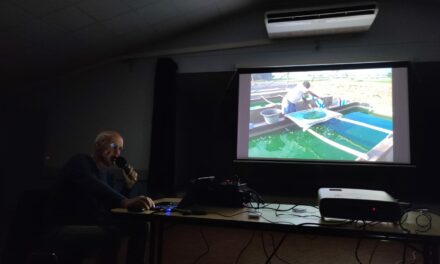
295 95
83 196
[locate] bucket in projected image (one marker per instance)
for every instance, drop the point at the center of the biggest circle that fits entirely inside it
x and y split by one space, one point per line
271 116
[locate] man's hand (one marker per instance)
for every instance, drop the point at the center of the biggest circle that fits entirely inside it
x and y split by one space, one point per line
140 202
130 178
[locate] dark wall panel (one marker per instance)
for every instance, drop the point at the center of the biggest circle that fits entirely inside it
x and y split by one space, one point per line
205 128
161 179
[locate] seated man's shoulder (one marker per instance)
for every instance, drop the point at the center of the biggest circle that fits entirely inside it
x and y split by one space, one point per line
79 159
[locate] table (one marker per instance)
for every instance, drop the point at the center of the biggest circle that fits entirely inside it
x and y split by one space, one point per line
291 218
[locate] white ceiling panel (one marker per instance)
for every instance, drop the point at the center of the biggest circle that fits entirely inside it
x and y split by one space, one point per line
168 26
187 6
158 11
95 34
125 22
138 36
12 15
139 3
11 43
37 31
102 10
202 14
228 6
40 8
70 19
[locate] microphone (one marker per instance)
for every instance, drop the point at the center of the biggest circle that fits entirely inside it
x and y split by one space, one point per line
122 163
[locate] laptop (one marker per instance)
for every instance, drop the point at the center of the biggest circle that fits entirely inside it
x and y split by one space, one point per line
197 187
206 191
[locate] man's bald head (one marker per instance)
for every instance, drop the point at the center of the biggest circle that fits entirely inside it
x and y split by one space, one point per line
106 137
108 145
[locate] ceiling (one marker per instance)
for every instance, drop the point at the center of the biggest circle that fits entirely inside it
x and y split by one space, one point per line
41 39
46 37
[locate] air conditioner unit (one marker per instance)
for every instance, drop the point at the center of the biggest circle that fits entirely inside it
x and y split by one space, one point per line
320 20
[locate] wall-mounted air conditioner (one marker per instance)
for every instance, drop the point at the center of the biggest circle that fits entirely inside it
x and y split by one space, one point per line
320 20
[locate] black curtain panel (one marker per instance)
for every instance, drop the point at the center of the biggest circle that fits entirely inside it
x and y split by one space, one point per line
161 178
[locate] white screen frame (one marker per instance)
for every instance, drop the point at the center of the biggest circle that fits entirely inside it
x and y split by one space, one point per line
400 105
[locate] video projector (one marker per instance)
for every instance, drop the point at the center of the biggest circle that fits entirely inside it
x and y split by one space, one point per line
358 204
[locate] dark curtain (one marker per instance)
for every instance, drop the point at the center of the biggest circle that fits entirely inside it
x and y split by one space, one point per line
206 126
161 178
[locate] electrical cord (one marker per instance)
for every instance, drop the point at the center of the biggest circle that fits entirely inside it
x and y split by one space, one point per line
255 195
232 215
376 245
277 247
329 223
264 246
425 226
358 244
273 247
267 206
277 222
295 214
245 247
276 255
404 253
414 257
402 221
250 206
423 220
414 248
303 216
284 210
206 244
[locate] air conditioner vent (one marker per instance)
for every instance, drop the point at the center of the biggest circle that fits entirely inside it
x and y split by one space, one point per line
321 13
336 19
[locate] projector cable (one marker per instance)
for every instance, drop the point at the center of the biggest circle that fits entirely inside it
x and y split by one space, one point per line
206 244
264 245
277 247
245 247
276 255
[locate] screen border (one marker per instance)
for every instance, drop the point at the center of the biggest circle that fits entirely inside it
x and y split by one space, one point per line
333 66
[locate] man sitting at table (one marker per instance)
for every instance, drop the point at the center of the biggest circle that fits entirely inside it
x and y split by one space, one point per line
83 196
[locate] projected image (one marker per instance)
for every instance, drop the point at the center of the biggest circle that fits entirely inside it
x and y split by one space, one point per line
321 115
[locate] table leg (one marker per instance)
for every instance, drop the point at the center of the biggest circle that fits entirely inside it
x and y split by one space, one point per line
156 242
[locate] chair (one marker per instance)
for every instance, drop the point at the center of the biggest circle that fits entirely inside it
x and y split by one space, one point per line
30 239
24 243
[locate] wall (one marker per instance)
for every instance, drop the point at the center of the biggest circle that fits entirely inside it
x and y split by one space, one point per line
115 97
